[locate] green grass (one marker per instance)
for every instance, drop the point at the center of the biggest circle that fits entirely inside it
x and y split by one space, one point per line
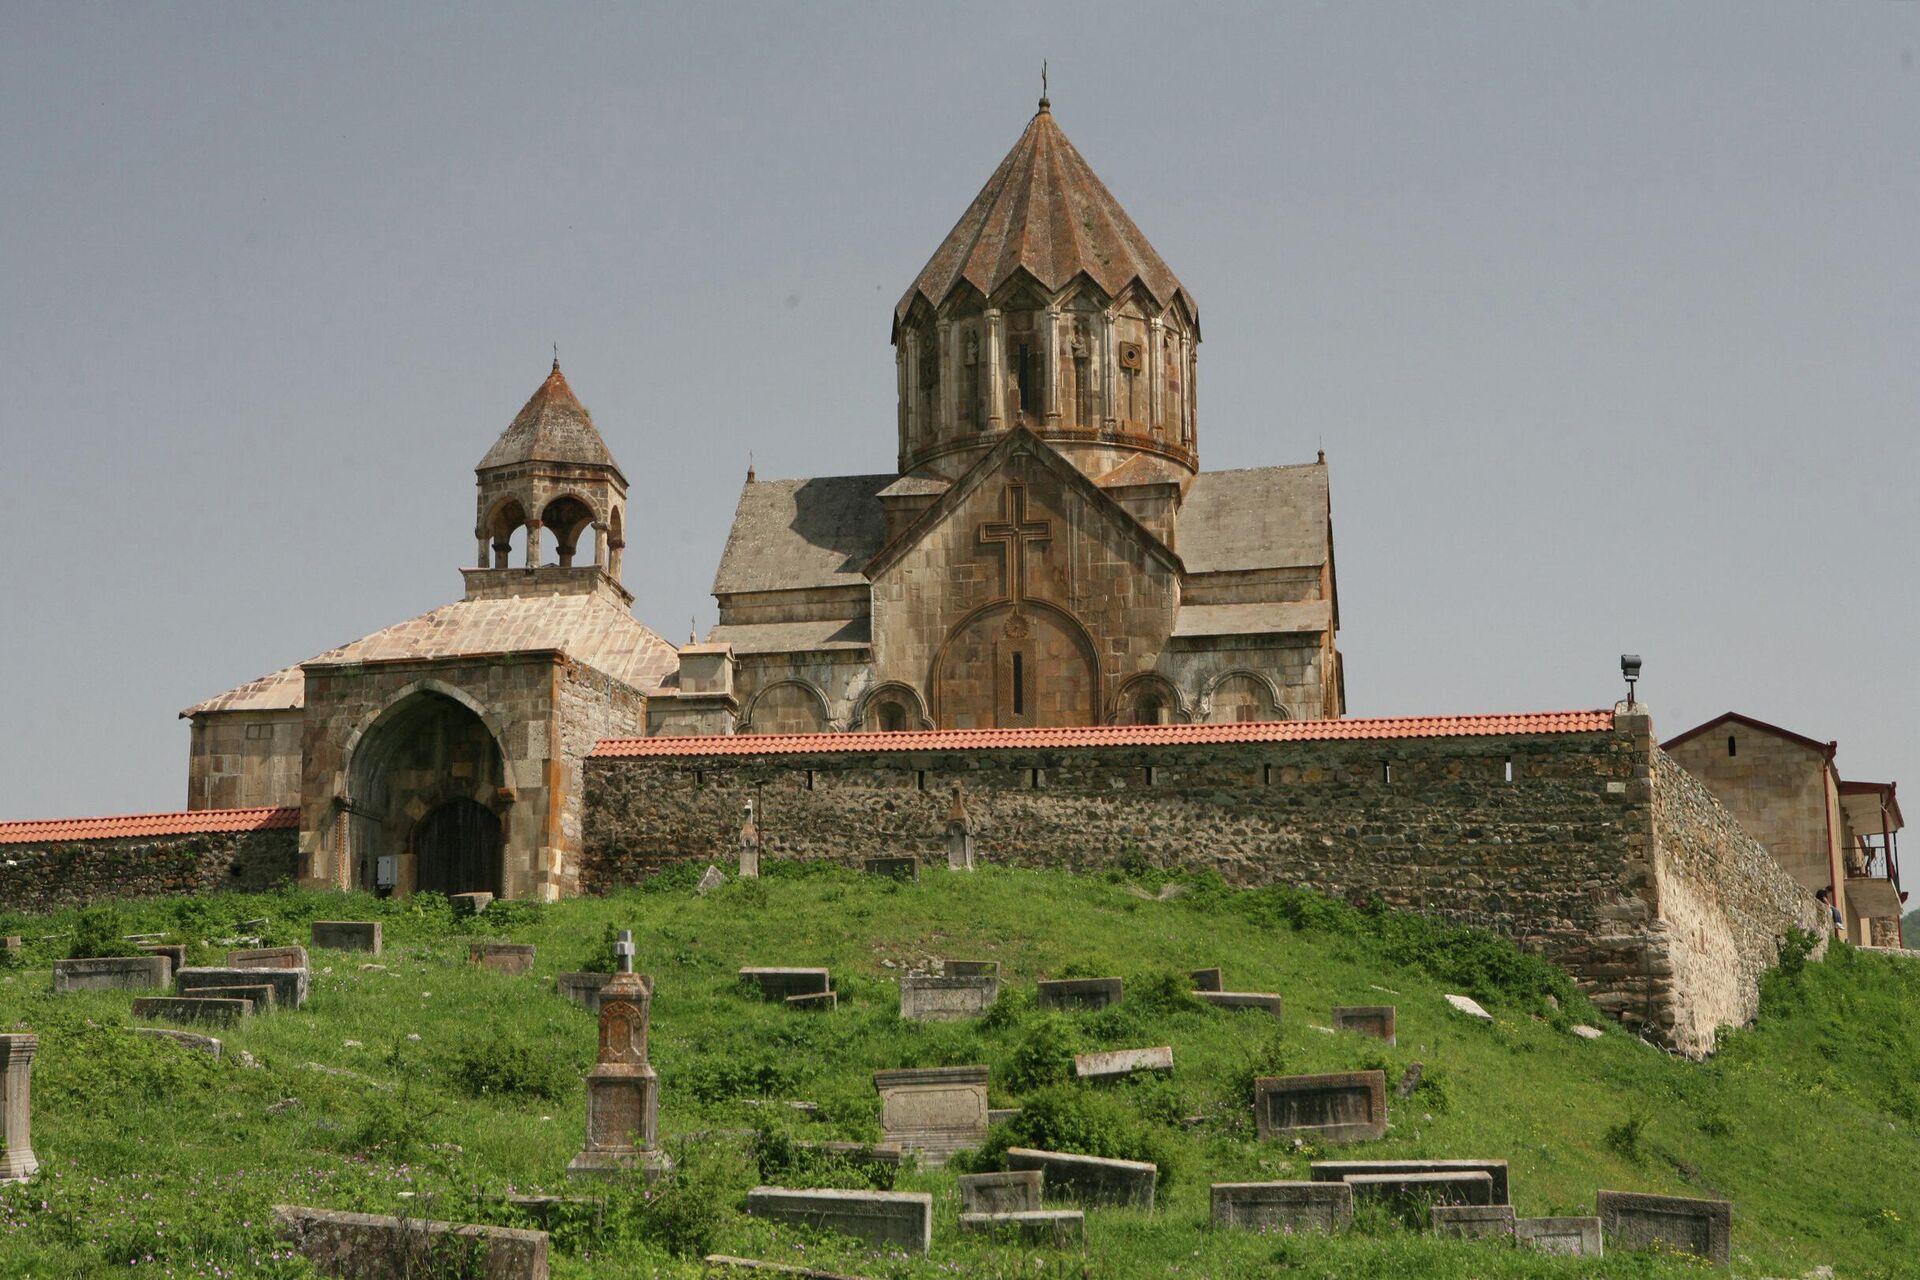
1807 1122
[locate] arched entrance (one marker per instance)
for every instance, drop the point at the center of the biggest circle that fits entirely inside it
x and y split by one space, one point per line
1016 666
456 849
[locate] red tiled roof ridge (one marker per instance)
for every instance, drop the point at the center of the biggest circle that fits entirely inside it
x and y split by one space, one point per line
1114 735
135 825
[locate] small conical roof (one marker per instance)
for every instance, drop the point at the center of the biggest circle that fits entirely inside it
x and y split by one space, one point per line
1046 212
553 427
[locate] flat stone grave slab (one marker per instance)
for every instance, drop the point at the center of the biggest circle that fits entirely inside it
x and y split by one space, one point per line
1376 1020
1015 1191
1000 1115
1265 1001
1282 1206
1469 1006
1569 1237
1208 980
372 1246
192 1040
901 868
1632 1220
345 935
726 1263
1058 1228
1117 1064
971 968
901 1219
1473 1221
217 1011
502 957
268 958
1412 1195
112 973
289 985
470 904
1338 1170
818 1001
584 988
1345 1106
778 983
927 998
1077 993
174 951
1090 1180
934 1110
260 993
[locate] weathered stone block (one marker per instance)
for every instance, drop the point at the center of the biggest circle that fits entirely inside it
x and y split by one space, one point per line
1412 1195
1090 1180
1014 1191
1473 1221
935 1111
1058 1228
268 958
1571 1237
1265 1001
971 968
926 998
174 951
289 985
1116 1064
901 1219
778 983
261 994
1282 1206
1347 1106
1469 1006
371 1246
192 1040
1077 993
470 904
345 935
17 1161
218 1011
502 957
815 1002
898 868
112 973
1208 980
1376 1020
1339 1170
1632 1220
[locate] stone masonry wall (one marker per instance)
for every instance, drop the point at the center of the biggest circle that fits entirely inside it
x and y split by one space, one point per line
43 878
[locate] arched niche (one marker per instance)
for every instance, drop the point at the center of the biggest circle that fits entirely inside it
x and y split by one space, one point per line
1016 665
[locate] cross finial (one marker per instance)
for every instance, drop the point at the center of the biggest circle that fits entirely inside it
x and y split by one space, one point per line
556 357
749 466
1044 104
693 627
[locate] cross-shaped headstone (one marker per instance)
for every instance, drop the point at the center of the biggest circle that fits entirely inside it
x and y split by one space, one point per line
623 948
1014 530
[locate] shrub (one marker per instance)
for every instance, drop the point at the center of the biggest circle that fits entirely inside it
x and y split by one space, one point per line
99 931
1625 1138
1084 1122
1044 1055
685 1211
500 1063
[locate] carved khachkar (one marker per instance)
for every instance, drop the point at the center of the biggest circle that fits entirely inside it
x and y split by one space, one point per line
623 1093
17 1162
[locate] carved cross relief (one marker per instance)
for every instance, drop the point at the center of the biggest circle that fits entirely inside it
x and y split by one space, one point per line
1013 531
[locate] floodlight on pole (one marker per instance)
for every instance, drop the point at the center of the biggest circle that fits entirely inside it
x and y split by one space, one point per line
1630 668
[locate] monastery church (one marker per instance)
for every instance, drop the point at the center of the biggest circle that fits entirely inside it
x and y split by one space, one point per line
1046 552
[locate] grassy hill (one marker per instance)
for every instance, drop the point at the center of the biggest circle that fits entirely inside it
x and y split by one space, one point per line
414 1084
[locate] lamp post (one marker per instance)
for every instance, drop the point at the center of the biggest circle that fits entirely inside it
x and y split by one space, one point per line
1630 668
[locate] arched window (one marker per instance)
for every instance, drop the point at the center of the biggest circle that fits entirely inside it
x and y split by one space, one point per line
1150 708
571 522
892 717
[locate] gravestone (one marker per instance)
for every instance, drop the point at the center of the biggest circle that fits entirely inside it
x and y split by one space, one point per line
260 993
1265 1001
345 935
268 958
778 983
927 998
470 904
1409 1080
1117 1064
1282 1206
1208 980
934 1110
900 1219
1569 1237
971 968
905 867
1469 1006
959 834
1057 1228
1376 1020
218 1011
1412 1195
749 842
372 1246
1090 1180
1346 1106
1014 1191
14 944
1631 1220
502 957
712 879
204 1044
17 1161
584 988
623 1093
815 1001
1077 993
174 951
112 973
289 985
1474 1221
1337 1170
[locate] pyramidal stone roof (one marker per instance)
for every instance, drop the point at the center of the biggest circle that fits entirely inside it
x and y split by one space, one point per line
1046 212
553 427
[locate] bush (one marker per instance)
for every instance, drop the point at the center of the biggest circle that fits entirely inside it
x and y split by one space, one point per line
499 1063
1044 1055
1083 1122
684 1212
100 931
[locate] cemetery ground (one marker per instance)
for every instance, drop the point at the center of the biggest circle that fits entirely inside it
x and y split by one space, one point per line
415 1084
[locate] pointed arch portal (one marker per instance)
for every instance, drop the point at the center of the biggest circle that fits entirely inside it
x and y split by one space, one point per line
425 788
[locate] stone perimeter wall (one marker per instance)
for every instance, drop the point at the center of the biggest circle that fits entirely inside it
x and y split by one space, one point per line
52 876
1563 858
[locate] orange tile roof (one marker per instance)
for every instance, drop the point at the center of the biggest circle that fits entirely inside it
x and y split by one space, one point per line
135 825
1113 735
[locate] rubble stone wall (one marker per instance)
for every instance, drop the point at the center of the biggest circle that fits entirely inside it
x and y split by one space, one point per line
78 873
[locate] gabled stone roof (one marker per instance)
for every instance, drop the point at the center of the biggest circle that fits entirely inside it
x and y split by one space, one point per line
1258 518
1045 212
552 427
818 531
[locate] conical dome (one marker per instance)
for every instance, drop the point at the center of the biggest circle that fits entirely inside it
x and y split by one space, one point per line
553 427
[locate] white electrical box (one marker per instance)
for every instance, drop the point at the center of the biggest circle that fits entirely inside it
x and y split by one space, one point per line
386 872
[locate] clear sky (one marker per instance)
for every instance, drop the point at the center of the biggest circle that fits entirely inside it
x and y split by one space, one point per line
1606 315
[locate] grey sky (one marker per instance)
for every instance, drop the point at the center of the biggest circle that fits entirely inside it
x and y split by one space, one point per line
1606 316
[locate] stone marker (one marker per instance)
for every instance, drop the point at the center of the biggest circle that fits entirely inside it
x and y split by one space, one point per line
584 988
971 968
1631 1220
725 1262
470 904
905 867
1077 993
623 1093
712 879
1208 980
174 951
903 1219
927 998
1116 1064
816 1001
1346 1106
1474 1221
1469 1006
1282 1206
934 1110
260 993
959 834
1376 1020
1570 1237
749 842
1059 1228
1411 1194
1409 1080
289 985
1588 1033
14 944
345 935
112 973
17 1161
778 984
502 957
1015 1191
372 1246
268 958
1337 1170
1090 1180
204 1044
219 1011
1262 1000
